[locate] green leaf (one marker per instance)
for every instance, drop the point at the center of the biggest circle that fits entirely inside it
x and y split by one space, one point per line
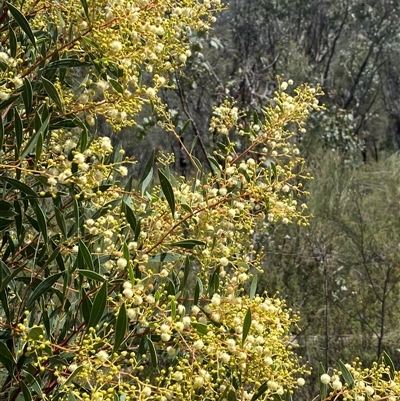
347 376
185 274
200 327
52 92
74 374
385 358
260 391
116 85
1 135
188 243
65 63
273 168
34 138
130 216
12 40
99 305
147 181
27 95
91 42
91 275
120 327
32 382
25 391
198 291
5 280
215 163
4 351
185 126
246 325
18 133
20 186
288 396
168 191
86 307
186 208
61 222
42 288
153 354
83 252
164 258
85 8
232 396
22 22
39 148
5 223
323 388
41 221
253 287
255 118
35 332
213 284
173 308
7 209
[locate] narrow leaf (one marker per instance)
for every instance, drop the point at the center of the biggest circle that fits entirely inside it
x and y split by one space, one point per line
61 221
1 136
74 374
91 275
66 63
147 181
153 354
33 383
246 325
20 186
18 133
185 274
120 327
83 251
52 92
200 327
188 243
164 258
22 22
253 287
34 138
6 352
27 96
388 362
41 221
347 376
261 390
198 291
85 8
12 40
168 191
99 305
323 388
116 85
42 288
185 126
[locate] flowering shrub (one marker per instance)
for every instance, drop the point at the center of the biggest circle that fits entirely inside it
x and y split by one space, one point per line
145 291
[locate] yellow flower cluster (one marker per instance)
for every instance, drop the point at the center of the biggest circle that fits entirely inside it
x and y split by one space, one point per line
355 382
215 347
129 46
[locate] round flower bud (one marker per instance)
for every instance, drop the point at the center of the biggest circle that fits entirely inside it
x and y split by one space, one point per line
272 385
198 382
301 382
325 378
177 376
337 385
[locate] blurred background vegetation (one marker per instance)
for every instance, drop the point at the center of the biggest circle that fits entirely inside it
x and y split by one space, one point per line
343 270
